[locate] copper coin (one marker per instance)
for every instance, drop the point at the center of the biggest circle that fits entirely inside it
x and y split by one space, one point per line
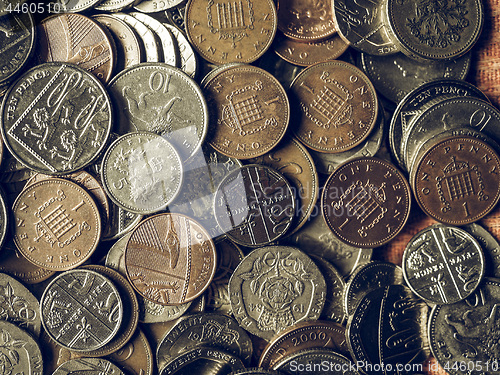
136 358
304 335
249 111
254 205
170 259
366 202
58 225
305 54
336 106
77 39
224 31
457 180
306 20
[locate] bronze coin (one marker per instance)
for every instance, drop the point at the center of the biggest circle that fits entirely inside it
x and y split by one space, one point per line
254 205
224 31
135 358
58 225
306 20
170 259
336 106
76 39
457 180
366 202
249 111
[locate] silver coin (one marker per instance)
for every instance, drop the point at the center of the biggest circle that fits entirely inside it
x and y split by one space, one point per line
4 217
490 246
159 98
114 5
189 61
326 360
81 310
120 222
151 45
152 6
73 6
89 366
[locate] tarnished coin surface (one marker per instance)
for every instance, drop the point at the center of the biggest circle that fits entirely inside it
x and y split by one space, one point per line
249 111
254 205
81 310
90 366
142 172
58 225
135 358
312 358
38 126
336 106
152 48
366 202
223 32
275 287
456 181
443 264
161 99
170 259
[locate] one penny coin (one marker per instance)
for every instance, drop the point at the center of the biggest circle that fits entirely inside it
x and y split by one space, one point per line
336 106
366 202
170 259
58 225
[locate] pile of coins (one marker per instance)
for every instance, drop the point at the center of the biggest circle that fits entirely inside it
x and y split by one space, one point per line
195 186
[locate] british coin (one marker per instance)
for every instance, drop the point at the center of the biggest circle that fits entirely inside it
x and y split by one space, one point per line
304 335
17 41
130 312
188 59
128 45
223 32
81 310
362 24
73 6
142 172
366 202
254 371
254 205
305 54
214 71
169 51
275 287
459 30
149 312
176 16
367 278
58 225
153 6
4 218
282 70
170 259
203 360
412 104
149 41
90 366
53 354
114 5
490 247
306 22
456 181
336 106
77 39
399 316
39 128
249 111
120 222
135 358
202 176
21 353
18 305
467 329
204 329
316 238
443 265
161 99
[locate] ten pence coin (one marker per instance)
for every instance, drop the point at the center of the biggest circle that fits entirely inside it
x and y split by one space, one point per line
58 225
170 259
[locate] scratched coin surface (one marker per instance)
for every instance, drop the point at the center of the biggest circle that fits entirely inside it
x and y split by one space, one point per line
456 181
77 39
170 259
81 310
142 172
161 99
443 264
335 105
275 287
90 366
366 202
254 205
204 329
225 31
56 118
249 111
135 358
58 225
